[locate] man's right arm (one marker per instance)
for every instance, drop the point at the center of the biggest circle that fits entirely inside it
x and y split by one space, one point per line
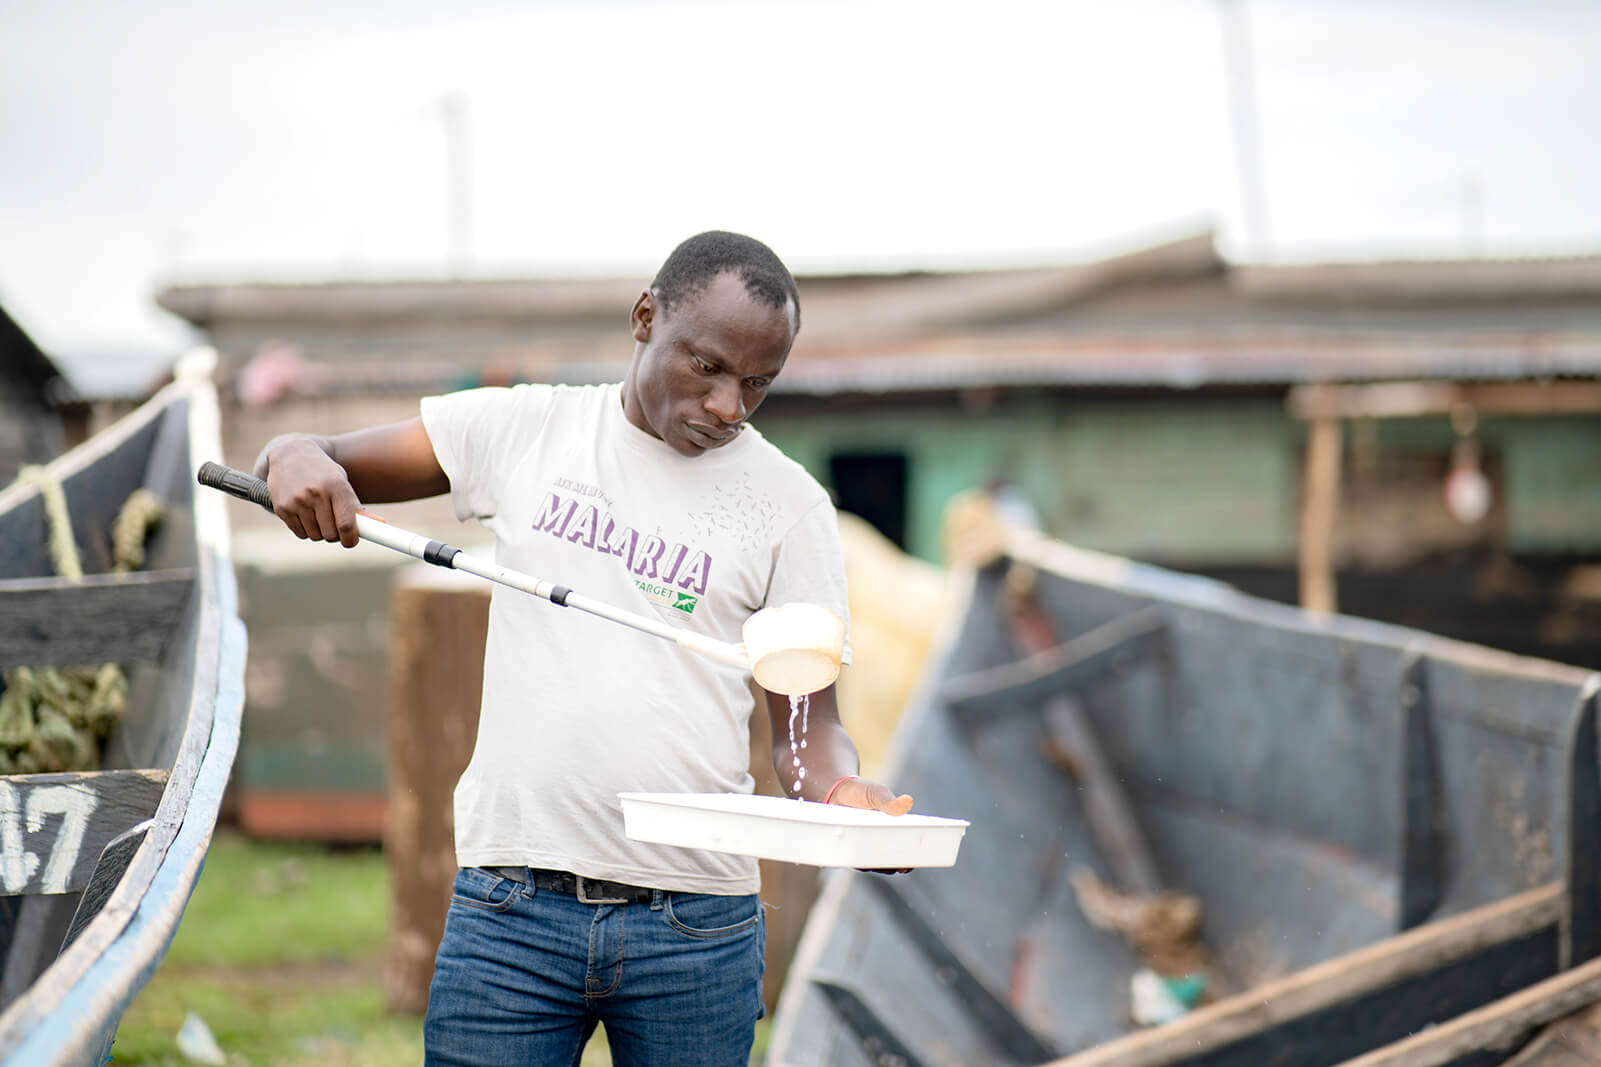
318 483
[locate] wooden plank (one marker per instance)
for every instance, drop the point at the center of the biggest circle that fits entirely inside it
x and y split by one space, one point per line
1009 1033
1395 1011
1072 665
109 869
1320 501
1419 399
1572 1042
1110 814
1070 741
54 826
1416 954
1498 1026
104 618
879 1041
1420 845
1581 913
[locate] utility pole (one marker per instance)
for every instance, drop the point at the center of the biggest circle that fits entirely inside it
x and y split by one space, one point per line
1237 57
458 182
1472 209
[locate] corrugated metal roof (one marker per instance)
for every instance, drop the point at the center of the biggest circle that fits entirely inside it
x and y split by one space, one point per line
1189 363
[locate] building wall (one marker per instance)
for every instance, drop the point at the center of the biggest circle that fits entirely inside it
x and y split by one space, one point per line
1200 481
1553 483
1207 480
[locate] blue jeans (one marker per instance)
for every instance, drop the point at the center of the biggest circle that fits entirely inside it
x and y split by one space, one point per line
523 976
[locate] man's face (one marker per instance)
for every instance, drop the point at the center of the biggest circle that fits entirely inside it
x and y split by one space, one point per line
703 366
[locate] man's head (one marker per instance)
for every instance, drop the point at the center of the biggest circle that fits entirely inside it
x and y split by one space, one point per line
711 333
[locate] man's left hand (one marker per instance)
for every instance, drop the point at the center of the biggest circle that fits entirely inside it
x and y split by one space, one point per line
861 793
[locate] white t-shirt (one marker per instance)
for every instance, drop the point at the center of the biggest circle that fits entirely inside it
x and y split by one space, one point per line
577 708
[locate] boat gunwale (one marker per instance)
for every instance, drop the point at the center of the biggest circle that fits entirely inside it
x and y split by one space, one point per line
1498 1025
1178 590
1337 980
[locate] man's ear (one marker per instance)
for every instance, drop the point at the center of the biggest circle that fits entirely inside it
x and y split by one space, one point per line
644 316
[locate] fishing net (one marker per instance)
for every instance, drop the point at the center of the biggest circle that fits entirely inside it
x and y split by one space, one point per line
54 719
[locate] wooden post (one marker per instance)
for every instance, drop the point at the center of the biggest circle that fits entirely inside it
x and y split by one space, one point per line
1320 500
438 624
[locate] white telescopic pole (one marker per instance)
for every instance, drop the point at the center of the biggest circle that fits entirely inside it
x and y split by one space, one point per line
372 528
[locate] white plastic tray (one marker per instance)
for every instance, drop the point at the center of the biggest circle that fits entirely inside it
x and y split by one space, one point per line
792 831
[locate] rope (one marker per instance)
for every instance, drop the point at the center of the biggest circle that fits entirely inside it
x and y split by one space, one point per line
53 719
63 550
139 514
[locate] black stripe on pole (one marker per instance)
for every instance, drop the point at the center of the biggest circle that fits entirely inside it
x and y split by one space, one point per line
558 595
440 554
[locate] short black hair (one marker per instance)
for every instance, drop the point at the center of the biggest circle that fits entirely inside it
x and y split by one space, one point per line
697 261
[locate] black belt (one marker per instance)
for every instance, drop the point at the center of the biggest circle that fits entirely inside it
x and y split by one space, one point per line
587 890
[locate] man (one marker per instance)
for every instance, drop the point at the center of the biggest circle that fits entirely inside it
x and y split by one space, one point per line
654 493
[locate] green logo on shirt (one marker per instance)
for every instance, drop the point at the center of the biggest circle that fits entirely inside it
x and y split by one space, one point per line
669 597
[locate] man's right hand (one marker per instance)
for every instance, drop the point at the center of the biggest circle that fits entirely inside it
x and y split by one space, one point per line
310 492
317 483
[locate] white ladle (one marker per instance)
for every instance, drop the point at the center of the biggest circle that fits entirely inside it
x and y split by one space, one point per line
792 649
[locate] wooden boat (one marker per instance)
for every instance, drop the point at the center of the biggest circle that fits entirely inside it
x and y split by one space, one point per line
97 866
1394 839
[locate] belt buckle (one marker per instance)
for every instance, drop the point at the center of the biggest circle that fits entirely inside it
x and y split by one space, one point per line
585 899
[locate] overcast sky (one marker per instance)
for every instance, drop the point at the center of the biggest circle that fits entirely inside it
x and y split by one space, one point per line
305 139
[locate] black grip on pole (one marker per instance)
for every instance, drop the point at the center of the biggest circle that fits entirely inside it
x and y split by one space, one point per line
235 483
440 554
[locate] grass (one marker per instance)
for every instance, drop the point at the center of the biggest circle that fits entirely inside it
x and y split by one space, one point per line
280 953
